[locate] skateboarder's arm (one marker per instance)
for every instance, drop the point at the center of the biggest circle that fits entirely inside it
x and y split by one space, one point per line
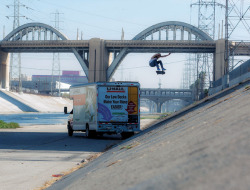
165 55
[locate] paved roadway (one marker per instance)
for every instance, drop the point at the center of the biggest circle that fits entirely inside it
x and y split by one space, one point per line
30 155
206 148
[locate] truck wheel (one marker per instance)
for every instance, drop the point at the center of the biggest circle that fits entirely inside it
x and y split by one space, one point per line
89 133
126 135
70 130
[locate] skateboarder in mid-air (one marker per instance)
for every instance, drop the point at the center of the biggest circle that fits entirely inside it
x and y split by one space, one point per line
155 62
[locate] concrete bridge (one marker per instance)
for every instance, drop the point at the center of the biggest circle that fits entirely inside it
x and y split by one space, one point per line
100 58
161 95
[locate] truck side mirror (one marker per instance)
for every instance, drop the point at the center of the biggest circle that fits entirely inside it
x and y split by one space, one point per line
65 110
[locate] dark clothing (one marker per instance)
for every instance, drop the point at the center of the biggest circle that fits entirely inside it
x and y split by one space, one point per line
154 62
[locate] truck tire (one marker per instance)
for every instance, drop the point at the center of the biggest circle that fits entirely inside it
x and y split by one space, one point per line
70 130
89 133
126 135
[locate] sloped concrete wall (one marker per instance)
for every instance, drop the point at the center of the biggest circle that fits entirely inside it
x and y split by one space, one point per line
16 102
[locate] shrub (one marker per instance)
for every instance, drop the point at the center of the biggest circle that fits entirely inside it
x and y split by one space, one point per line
11 125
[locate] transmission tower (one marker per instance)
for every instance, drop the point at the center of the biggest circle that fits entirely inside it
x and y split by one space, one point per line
15 59
56 66
202 64
237 17
238 14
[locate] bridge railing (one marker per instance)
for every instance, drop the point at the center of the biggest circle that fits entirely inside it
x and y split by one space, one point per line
239 71
167 92
239 74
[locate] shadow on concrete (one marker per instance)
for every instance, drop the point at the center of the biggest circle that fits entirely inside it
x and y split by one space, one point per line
55 141
22 106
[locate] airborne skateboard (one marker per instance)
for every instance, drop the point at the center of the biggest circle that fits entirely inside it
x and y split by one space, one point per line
160 72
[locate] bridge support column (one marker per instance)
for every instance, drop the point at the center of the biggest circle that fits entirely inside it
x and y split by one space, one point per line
4 70
98 60
219 60
159 104
151 106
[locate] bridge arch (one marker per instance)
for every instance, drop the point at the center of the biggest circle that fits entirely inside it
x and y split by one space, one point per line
173 30
174 26
22 34
22 31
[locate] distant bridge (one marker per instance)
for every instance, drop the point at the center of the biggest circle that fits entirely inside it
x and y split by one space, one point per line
93 55
161 95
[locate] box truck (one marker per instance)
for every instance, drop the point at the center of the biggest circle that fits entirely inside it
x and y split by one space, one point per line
105 107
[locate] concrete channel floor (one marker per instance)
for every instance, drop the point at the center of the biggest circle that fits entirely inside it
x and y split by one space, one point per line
30 155
206 148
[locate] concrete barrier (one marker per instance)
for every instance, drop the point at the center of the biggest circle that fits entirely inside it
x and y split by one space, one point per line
236 76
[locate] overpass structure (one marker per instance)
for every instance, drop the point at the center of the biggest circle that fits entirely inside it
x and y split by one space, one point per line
95 55
161 95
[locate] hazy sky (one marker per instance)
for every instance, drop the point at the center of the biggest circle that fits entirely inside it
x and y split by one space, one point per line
105 19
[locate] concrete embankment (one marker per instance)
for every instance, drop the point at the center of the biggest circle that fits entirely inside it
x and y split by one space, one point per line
11 102
31 155
205 146
22 106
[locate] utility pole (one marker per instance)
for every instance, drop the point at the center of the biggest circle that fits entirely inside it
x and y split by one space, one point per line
56 66
159 83
122 38
226 45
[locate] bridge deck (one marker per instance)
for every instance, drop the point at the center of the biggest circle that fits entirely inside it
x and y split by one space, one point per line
137 46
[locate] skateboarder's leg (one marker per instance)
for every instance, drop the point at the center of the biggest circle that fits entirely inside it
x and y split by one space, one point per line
157 65
158 68
160 62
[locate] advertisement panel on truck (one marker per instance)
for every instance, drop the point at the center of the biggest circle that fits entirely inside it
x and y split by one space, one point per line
115 104
112 104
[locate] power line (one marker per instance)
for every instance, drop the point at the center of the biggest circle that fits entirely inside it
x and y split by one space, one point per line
86 24
33 68
90 13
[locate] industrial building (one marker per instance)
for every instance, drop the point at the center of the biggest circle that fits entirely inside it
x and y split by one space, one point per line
45 84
